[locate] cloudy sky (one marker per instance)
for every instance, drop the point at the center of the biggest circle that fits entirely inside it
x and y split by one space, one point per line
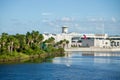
48 16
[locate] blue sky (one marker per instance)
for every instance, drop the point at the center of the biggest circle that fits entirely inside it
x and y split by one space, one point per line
83 16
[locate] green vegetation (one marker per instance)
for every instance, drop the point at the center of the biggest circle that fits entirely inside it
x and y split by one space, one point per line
63 43
31 45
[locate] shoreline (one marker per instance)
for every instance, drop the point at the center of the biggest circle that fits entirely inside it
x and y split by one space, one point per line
96 49
22 59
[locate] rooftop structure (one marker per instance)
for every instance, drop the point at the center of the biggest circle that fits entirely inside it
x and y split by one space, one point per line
64 29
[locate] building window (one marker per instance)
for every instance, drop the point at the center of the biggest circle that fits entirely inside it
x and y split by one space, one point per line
117 43
112 43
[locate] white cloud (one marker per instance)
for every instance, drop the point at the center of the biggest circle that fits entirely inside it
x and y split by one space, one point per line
67 19
76 25
46 14
45 20
51 23
93 19
113 19
101 19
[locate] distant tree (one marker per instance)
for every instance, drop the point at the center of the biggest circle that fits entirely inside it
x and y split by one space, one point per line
29 39
63 43
3 39
67 42
22 41
11 40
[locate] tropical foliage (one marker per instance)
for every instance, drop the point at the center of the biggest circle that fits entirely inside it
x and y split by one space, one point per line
27 45
63 43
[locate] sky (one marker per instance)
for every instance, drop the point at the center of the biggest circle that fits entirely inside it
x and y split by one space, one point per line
48 16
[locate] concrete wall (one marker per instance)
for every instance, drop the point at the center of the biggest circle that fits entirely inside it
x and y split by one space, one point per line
87 42
93 49
101 43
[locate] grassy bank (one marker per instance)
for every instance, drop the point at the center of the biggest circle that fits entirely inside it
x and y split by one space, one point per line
13 57
21 57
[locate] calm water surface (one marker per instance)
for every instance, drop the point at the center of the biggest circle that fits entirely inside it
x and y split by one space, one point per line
74 66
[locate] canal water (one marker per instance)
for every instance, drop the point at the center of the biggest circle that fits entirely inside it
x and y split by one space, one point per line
73 66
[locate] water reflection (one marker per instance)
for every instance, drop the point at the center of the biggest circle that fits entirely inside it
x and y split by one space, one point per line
100 53
79 58
72 54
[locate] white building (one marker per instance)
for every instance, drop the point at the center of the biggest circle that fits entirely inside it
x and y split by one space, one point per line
92 40
115 41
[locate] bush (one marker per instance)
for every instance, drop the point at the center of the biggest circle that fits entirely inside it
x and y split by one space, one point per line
28 51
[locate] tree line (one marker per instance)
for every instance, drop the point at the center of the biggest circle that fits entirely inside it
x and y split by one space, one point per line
29 44
20 42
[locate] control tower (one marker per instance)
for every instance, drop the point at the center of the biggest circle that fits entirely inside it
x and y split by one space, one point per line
64 29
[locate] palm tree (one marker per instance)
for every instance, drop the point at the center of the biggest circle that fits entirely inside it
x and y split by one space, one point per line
29 39
16 44
64 43
0 44
51 40
11 40
61 43
40 38
22 41
67 42
8 46
37 38
3 41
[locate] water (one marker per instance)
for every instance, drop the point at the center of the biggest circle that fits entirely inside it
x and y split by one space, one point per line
74 66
